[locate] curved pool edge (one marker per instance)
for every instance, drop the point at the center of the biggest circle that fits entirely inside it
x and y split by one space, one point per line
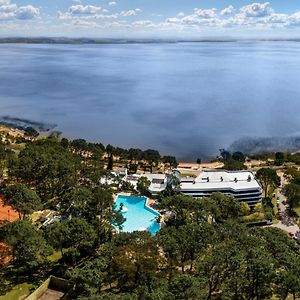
147 207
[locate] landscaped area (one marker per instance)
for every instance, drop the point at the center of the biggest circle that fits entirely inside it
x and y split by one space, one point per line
139 216
20 290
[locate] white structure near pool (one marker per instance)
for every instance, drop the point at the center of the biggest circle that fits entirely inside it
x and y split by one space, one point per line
139 216
158 182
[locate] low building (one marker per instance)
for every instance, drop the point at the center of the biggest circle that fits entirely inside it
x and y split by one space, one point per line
240 184
158 182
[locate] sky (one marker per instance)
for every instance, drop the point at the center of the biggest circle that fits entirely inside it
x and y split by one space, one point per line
150 18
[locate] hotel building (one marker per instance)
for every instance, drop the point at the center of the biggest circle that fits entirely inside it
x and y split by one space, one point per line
242 185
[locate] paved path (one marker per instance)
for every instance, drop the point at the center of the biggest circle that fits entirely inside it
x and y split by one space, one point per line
290 229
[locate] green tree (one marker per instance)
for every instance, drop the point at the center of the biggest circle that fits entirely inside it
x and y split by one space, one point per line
152 157
229 207
47 167
64 143
245 209
142 185
110 163
234 165
24 200
76 202
89 279
279 158
238 156
292 192
3 158
170 161
57 235
29 248
183 210
135 261
77 236
268 179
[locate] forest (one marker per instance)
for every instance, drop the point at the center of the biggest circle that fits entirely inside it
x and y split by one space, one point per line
204 251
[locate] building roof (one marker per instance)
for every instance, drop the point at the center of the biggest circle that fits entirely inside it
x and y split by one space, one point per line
221 180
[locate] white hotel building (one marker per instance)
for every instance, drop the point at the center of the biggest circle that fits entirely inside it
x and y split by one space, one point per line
240 184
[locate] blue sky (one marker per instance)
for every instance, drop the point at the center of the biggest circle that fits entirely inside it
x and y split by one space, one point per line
150 18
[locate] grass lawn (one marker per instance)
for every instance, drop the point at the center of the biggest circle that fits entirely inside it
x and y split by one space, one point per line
17 292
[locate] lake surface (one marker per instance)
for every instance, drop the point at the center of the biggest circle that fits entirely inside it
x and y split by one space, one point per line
185 99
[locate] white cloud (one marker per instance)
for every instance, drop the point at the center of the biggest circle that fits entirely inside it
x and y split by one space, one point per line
112 3
255 16
84 9
180 15
257 10
205 13
7 8
227 11
130 13
294 19
10 11
26 12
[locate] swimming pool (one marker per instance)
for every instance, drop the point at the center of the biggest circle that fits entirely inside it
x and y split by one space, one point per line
138 215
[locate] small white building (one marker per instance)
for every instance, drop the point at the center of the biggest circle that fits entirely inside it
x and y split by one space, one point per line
158 182
240 184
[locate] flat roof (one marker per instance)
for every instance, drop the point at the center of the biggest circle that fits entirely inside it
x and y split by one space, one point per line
221 180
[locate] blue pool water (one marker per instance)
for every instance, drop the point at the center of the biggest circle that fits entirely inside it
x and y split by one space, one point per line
138 215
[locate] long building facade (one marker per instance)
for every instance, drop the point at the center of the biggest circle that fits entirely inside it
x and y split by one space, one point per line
240 184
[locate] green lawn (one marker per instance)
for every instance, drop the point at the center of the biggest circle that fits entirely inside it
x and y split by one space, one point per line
17 292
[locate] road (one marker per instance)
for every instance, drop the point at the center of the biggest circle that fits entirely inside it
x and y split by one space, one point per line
286 223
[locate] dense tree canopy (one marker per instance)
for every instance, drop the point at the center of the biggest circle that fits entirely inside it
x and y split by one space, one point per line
202 251
47 166
24 200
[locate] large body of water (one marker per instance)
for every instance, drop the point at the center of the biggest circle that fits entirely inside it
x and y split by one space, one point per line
185 99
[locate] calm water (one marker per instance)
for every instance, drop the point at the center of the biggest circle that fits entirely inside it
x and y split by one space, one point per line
185 99
138 216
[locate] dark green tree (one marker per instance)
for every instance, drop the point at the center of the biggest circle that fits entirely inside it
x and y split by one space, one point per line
24 200
47 167
29 248
292 192
279 158
268 179
110 163
142 185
